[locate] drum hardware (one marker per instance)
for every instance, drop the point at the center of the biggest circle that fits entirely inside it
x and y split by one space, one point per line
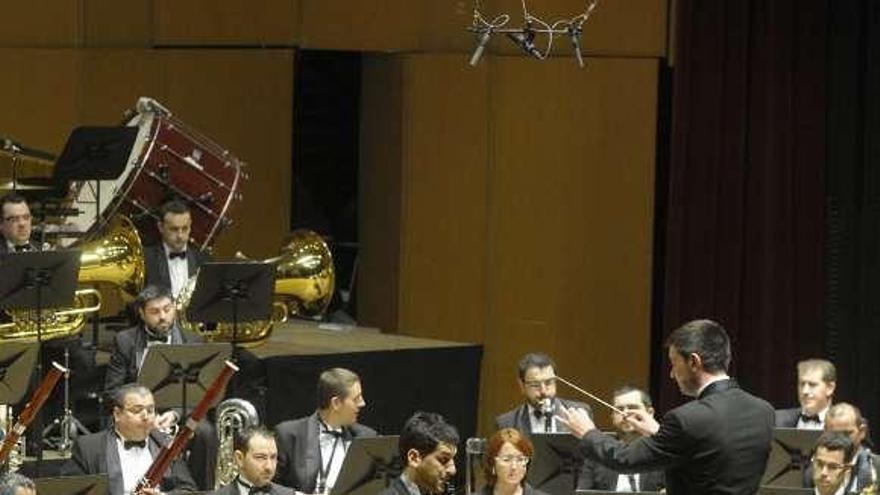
69 426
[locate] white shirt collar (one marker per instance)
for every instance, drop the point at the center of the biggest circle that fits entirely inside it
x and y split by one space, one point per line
411 487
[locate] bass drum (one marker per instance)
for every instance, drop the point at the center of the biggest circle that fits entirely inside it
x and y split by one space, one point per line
169 159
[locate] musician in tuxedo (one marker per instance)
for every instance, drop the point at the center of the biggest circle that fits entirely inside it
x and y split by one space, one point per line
817 380
256 456
427 447
831 464
717 443
127 449
158 315
174 260
595 476
536 376
846 418
311 449
17 225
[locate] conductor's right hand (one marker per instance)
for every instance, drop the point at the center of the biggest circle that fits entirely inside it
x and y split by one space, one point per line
643 422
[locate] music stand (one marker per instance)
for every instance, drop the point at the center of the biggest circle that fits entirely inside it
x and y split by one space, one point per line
369 466
790 454
232 292
191 367
95 153
17 361
37 281
90 484
555 466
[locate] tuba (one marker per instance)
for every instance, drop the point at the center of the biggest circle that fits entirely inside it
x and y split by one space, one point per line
304 280
233 415
115 257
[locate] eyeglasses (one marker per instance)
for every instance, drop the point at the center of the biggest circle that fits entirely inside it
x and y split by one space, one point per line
539 384
138 410
819 465
519 460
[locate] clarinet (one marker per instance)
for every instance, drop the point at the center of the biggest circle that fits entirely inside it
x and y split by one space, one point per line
166 456
31 409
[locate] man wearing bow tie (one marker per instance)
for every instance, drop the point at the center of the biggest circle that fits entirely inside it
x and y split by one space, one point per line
171 263
311 449
158 326
256 456
127 449
817 380
16 225
536 376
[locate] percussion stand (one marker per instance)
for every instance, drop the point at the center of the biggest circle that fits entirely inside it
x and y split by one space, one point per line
70 426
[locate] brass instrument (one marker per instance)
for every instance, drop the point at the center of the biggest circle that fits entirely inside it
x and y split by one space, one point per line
233 416
115 258
304 284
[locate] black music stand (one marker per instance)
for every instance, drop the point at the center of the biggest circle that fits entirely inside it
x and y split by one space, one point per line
95 153
790 454
37 281
555 466
90 484
17 361
369 466
232 292
187 368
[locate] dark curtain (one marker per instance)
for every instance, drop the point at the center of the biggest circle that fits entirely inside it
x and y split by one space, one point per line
746 184
852 300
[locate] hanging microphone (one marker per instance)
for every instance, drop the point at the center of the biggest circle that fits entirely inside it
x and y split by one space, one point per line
575 33
478 52
525 40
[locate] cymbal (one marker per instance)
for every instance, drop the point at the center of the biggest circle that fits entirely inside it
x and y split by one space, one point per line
13 186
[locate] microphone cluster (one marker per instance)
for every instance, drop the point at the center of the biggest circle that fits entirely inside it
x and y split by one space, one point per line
524 37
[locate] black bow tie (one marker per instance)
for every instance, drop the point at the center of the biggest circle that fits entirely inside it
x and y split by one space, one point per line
128 444
267 488
177 254
22 248
333 433
152 337
807 418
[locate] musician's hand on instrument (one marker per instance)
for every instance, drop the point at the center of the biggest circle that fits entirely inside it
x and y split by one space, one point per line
166 420
643 422
150 491
577 420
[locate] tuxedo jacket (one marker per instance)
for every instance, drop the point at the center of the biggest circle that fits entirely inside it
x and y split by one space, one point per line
713 445
299 451
232 489
4 249
519 418
156 264
97 453
787 418
128 349
396 487
595 476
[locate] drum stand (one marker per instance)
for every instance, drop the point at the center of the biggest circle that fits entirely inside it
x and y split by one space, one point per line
69 426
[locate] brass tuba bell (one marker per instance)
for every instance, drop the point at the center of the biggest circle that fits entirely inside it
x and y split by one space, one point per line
304 281
115 257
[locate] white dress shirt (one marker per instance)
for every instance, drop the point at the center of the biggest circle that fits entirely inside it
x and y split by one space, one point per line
333 450
134 463
178 271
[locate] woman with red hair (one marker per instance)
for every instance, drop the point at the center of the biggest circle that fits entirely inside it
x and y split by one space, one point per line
506 462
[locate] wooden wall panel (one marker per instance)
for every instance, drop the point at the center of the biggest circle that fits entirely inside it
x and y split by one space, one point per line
111 23
235 22
526 215
369 25
444 207
571 218
379 194
41 23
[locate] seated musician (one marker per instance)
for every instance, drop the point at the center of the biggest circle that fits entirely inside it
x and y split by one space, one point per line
173 261
505 465
127 449
311 449
158 315
427 448
256 456
817 380
595 476
832 464
16 225
847 419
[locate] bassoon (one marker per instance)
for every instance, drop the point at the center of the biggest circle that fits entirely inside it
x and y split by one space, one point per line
31 409
166 456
